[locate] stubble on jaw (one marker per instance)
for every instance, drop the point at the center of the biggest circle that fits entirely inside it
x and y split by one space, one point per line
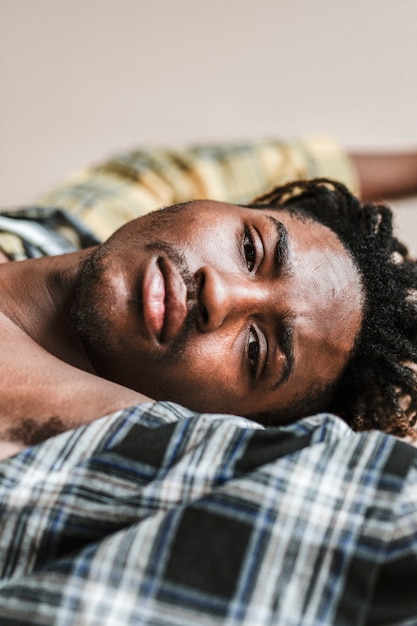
89 325
88 312
179 344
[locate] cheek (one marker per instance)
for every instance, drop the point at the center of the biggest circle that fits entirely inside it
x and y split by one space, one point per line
205 361
204 378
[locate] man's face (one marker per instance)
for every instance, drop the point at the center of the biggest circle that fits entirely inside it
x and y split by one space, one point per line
220 308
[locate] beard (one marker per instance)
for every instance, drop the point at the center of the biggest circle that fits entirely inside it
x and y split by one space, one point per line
93 327
88 321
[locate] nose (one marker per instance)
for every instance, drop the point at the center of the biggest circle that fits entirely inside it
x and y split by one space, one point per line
226 295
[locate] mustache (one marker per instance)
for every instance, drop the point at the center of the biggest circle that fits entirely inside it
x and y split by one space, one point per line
178 259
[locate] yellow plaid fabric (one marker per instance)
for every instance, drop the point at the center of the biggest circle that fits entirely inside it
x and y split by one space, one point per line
130 184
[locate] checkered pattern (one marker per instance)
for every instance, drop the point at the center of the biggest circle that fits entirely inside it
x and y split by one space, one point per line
130 184
160 517
35 231
96 201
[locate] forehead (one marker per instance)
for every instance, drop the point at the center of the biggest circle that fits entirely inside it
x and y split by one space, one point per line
326 293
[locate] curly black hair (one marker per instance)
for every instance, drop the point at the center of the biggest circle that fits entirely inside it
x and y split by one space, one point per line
378 386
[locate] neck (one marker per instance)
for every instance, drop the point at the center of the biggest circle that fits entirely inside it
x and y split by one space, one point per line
37 295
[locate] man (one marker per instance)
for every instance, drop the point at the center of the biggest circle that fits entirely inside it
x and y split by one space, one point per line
157 308
268 372
285 291
160 515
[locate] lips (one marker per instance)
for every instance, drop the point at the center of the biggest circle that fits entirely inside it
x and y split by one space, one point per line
164 299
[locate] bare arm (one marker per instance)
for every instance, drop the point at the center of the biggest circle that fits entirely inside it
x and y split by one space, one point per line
386 175
41 395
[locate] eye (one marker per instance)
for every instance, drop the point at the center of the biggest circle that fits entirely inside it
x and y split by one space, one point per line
253 350
249 250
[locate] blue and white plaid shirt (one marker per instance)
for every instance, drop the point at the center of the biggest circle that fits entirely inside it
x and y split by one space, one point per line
159 516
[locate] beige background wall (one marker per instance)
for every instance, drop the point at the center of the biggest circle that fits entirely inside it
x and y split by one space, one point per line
82 78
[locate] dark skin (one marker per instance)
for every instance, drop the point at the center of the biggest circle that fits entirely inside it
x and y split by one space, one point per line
45 367
266 292
40 352
244 297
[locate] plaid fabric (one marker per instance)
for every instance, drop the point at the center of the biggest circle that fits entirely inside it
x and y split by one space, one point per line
132 183
157 516
34 232
98 200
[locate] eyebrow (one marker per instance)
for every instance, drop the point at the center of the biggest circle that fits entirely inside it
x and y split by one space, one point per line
286 344
283 265
282 262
